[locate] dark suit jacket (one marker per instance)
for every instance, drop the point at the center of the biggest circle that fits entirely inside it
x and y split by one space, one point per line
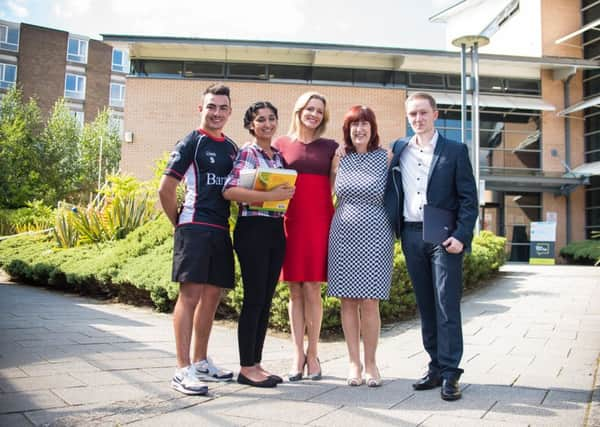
450 185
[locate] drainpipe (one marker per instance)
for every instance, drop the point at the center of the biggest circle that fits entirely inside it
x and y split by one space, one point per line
567 92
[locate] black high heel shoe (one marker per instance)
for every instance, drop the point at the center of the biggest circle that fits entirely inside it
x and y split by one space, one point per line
317 375
297 376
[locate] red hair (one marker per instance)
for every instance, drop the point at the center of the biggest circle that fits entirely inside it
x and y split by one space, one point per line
360 113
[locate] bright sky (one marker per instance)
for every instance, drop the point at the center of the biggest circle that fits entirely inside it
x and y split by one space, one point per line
392 23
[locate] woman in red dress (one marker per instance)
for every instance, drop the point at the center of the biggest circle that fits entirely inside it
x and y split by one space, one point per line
307 226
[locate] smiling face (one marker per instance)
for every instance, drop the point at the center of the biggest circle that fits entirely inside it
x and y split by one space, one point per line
421 116
214 113
264 124
312 114
360 134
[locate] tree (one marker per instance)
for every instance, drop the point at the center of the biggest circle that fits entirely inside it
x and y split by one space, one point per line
60 164
101 132
20 150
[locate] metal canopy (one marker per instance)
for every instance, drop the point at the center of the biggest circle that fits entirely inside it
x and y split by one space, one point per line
581 105
509 102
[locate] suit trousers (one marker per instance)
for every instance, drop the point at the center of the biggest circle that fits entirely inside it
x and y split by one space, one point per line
436 276
260 246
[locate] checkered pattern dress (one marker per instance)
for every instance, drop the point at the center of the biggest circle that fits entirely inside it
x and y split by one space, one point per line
361 241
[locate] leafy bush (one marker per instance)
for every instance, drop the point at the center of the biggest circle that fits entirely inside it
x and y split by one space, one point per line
584 252
137 269
34 217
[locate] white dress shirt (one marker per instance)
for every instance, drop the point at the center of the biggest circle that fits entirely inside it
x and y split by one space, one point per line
415 163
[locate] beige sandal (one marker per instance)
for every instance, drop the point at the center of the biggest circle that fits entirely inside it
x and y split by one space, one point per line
373 381
355 381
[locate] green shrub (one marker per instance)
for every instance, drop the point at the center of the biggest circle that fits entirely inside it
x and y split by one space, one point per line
137 269
584 252
34 217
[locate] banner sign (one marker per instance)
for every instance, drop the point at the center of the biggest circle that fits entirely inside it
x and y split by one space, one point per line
542 240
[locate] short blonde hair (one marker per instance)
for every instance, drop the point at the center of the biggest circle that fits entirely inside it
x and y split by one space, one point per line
300 104
422 95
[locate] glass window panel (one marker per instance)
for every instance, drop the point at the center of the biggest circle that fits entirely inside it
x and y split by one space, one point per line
120 61
372 77
117 95
248 71
338 75
9 37
160 68
426 80
592 142
204 69
592 216
523 86
400 78
593 156
592 197
592 86
74 86
77 50
491 84
8 75
290 72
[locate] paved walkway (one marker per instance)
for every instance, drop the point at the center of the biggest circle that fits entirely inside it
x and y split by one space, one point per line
532 342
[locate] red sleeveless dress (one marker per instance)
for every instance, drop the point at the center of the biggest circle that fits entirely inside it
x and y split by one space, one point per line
310 211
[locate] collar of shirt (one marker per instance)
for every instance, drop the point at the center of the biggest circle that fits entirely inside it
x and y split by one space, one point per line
432 143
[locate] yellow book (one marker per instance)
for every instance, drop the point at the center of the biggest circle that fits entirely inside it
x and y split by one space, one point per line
269 178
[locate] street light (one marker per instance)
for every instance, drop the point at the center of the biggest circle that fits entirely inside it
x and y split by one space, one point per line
472 84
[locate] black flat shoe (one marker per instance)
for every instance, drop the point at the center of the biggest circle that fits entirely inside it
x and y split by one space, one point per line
428 382
450 389
268 383
276 378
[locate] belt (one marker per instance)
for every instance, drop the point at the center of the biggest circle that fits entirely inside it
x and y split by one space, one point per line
414 226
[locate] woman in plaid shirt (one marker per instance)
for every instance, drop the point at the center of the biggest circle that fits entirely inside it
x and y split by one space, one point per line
259 242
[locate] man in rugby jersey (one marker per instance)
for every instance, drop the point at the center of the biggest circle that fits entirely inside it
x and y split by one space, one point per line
202 253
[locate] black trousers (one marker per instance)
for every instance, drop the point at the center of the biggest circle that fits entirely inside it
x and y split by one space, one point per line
436 276
260 246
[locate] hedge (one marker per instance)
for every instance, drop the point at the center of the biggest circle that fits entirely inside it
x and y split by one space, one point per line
584 252
137 270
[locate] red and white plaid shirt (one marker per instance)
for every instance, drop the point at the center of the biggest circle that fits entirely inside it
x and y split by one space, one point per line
251 156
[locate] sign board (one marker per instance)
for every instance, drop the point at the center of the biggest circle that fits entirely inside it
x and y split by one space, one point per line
542 240
551 216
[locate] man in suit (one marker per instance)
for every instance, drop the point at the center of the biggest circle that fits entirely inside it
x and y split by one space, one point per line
430 169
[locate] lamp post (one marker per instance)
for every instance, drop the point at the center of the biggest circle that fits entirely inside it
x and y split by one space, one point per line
471 84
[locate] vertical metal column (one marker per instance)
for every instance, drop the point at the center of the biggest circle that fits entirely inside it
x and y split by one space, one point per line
475 120
463 93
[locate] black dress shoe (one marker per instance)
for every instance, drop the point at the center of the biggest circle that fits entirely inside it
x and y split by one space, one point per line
268 383
428 382
450 389
276 378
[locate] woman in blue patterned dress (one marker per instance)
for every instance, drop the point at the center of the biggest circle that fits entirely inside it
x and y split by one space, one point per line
361 241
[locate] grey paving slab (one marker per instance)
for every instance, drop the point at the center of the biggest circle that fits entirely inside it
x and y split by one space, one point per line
14 420
25 401
531 358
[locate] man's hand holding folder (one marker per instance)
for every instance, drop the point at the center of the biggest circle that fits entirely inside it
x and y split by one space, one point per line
438 225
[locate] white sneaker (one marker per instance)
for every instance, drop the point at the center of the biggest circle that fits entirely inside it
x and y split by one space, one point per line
208 371
185 381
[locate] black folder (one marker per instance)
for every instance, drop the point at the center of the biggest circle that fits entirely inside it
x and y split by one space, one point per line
438 224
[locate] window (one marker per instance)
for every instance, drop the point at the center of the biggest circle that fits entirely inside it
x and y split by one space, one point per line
204 69
79 116
295 73
8 75
9 38
247 71
74 86
116 124
117 95
77 50
120 61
